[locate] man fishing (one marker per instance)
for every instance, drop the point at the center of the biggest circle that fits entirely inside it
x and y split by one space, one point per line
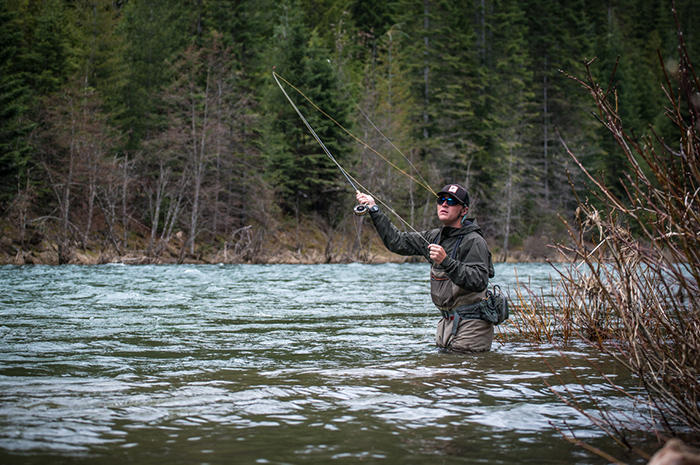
460 267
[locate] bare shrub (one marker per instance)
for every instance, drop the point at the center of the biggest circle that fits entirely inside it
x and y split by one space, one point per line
629 284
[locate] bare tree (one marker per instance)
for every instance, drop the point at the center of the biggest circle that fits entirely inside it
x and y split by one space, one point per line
165 186
630 286
76 139
198 119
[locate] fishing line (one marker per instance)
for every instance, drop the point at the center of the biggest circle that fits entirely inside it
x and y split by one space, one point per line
318 139
359 209
424 184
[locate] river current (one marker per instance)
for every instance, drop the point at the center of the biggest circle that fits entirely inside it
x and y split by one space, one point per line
273 364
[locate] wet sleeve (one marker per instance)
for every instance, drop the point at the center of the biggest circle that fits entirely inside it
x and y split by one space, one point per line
470 270
402 243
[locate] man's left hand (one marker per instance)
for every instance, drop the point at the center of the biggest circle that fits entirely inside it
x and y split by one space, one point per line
437 253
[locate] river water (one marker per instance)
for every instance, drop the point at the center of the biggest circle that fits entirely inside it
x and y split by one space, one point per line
272 364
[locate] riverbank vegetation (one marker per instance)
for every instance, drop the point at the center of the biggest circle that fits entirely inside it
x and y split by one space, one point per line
630 284
154 132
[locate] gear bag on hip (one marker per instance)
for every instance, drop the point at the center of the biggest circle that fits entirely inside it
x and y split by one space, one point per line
493 309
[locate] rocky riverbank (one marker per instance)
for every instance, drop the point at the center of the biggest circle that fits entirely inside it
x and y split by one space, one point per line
305 244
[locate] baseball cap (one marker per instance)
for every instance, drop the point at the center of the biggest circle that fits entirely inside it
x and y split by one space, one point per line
456 191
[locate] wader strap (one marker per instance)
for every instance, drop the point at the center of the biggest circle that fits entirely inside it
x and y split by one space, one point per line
455 323
454 316
456 248
464 312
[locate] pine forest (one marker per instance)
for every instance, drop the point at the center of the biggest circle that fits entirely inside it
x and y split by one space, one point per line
147 131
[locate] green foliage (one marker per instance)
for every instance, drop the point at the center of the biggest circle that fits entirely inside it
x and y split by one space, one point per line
14 101
49 59
102 51
303 174
154 31
470 91
372 21
246 27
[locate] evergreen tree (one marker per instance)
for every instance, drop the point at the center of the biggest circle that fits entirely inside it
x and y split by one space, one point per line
73 141
446 83
154 31
606 160
198 122
372 20
244 28
689 18
245 25
415 21
305 177
455 85
49 59
385 125
512 113
102 52
14 101
558 41
452 83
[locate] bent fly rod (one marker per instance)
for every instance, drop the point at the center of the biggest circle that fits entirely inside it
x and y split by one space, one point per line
358 209
420 182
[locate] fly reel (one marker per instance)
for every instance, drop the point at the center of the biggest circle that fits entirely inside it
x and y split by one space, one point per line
360 209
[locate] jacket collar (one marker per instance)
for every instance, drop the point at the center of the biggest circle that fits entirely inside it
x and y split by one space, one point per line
468 226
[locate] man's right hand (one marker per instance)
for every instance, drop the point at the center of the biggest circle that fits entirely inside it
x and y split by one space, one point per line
365 199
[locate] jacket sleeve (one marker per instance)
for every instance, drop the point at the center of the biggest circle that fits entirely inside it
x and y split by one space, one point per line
402 243
472 267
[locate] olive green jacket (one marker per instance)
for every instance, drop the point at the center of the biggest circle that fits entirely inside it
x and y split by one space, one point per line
463 275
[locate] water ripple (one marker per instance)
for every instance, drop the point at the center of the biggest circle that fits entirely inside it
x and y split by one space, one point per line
268 364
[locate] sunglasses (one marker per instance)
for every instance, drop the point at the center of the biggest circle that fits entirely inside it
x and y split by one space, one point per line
451 201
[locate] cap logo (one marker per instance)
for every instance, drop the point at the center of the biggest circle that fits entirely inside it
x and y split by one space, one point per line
452 189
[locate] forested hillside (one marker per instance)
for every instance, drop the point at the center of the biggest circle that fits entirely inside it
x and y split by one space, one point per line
156 129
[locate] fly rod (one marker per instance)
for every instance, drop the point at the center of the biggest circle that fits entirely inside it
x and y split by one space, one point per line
358 209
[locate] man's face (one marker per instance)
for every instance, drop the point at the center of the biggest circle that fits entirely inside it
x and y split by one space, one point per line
451 215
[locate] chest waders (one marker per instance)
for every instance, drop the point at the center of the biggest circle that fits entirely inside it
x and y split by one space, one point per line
453 314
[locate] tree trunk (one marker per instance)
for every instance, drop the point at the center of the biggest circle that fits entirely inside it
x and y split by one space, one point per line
64 249
546 137
161 184
125 189
426 69
509 204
